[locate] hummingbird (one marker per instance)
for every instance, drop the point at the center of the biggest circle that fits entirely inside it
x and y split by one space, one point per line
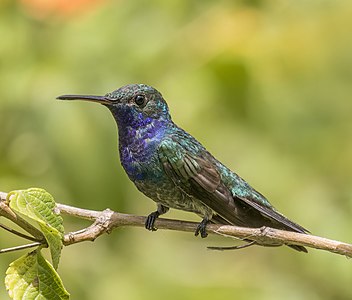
171 167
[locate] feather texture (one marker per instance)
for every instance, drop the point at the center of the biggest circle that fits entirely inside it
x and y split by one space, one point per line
171 167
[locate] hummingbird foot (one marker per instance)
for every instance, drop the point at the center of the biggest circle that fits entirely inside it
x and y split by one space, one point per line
149 222
201 228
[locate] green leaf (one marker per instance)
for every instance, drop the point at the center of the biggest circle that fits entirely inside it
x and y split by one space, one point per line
33 277
54 239
39 205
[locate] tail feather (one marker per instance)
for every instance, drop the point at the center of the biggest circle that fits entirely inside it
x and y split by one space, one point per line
299 248
274 215
274 220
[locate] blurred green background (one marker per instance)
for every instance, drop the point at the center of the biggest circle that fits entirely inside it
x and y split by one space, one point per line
264 85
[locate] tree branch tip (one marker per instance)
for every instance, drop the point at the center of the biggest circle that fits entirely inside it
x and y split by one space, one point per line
22 247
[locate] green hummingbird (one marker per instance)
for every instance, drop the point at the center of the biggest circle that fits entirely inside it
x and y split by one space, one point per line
172 168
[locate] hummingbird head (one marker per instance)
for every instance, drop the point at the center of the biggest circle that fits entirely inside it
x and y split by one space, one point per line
131 105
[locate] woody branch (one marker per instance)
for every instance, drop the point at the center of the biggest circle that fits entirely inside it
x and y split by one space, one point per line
107 220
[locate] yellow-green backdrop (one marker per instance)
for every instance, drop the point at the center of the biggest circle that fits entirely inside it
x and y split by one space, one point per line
265 85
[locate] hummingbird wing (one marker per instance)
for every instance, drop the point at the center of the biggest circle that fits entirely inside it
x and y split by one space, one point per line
198 176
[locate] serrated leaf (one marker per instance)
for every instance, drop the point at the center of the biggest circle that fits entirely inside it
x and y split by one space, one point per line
55 244
39 205
32 277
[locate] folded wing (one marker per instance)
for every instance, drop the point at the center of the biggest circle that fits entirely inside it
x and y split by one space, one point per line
198 175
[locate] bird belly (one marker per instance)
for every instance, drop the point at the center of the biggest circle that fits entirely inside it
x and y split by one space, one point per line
168 194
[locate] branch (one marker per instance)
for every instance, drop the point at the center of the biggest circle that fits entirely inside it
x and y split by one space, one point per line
265 236
27 246
107 220
6 212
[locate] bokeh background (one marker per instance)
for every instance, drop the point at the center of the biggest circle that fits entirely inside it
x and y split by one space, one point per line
265 85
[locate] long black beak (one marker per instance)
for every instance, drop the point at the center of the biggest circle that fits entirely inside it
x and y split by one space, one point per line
91 98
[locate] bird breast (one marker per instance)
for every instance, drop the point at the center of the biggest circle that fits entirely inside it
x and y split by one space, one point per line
139 151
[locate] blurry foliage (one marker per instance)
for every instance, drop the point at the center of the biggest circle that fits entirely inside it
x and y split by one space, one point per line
265 85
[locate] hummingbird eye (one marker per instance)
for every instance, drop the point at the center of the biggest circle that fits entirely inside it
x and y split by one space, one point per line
140 100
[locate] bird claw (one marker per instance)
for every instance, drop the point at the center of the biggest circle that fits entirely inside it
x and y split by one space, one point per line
149 222
201 228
